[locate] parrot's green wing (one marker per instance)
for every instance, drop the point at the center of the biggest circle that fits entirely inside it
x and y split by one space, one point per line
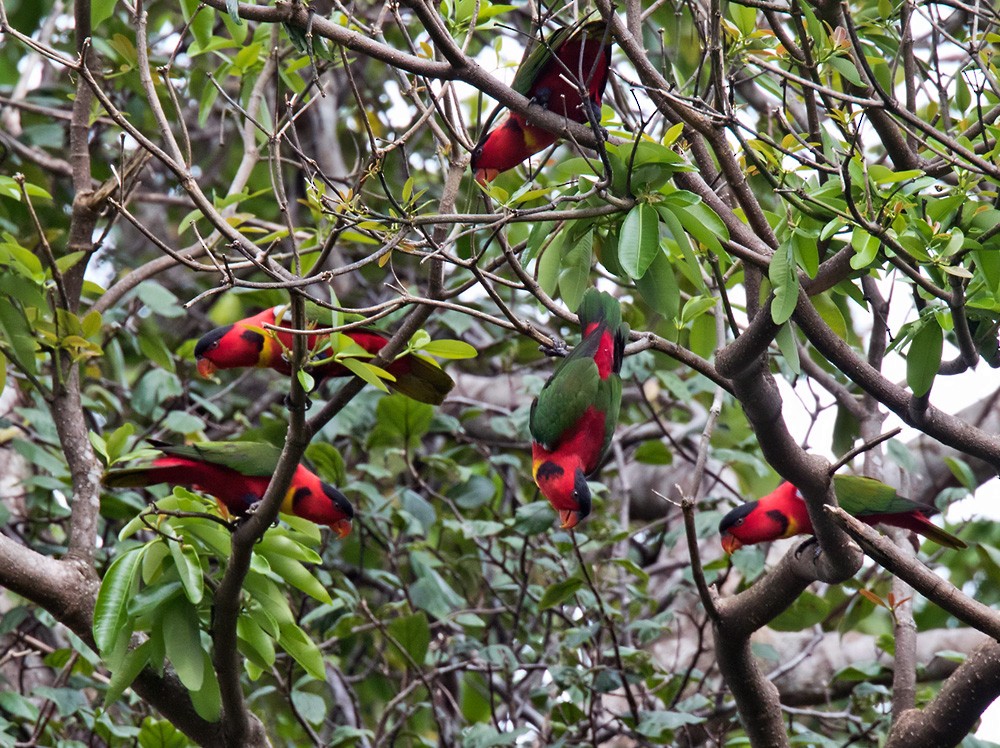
247 458
571 389
858 496
612 390
539 54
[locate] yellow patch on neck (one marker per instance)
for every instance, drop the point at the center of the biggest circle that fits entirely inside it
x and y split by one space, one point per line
792 529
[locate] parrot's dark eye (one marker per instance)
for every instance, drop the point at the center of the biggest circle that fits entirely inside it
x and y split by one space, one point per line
738 522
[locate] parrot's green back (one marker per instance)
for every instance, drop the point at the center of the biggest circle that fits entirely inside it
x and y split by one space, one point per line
246 458
859 495
539 54
573 387
576 383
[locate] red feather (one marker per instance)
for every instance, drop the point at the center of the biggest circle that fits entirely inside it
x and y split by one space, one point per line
249 343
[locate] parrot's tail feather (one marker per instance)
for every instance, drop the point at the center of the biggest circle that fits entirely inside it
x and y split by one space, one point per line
599 306
422 381
941 536
146 475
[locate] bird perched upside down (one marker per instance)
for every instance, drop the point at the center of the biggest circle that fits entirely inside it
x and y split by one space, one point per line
237 474
782 513
574 416
249 343
552 74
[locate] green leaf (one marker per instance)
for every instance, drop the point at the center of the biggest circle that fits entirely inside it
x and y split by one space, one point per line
848 69
182 641
961 470
299 577
255 643
786 344
160 300
432 594
698 219
784 277
807 610
117 442
639 240
549 263
117 588
308 382
303 650
310 706
658 725
534 518
923 359
413 634
127 671
373 375
278 543
233 8
865 247
658 286
691 268
450 349
574 277
487 736
153 597
189 570
266 594
183 423
207 700
400 421
160 733
744 17
558 593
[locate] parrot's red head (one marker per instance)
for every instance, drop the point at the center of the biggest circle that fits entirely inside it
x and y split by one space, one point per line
507 145
319 502
566 489
780 514
237 345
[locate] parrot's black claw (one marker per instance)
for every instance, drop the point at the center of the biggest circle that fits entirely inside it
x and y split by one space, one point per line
250 511
804 545
541 97
306 405
558 349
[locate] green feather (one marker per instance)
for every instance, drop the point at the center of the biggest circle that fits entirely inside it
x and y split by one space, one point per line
246 458
859 495
599 305
538 54
571 389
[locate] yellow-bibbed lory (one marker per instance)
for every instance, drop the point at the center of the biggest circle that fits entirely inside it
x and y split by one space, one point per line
550 74
574 416
237 474
249 343
782 513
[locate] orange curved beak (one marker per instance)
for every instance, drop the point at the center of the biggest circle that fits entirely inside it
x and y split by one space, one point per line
205 367
483 176
730 543
568 518
341 528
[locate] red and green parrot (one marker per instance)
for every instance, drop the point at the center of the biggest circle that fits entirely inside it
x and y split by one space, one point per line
249 343
548 75
782 513
574 416
237 474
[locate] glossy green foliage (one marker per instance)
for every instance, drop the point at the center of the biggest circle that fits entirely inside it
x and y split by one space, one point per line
157 589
